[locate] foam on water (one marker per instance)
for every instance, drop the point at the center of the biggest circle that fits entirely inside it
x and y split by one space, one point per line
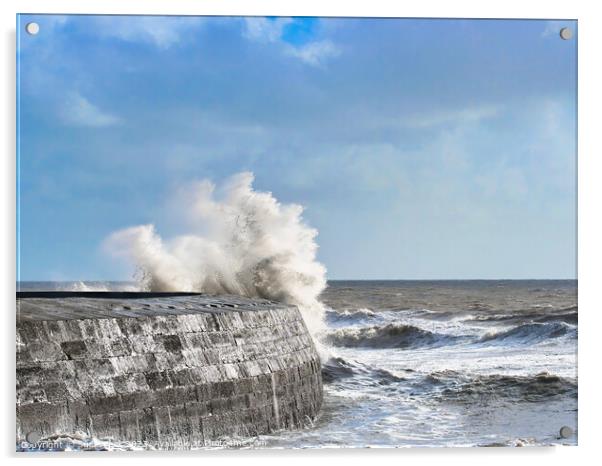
439 364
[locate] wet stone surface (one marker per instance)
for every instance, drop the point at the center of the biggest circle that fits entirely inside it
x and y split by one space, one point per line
184 370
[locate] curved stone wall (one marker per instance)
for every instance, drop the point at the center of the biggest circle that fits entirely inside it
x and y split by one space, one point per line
170 371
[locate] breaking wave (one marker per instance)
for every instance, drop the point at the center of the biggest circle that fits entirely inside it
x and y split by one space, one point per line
457 387
388 336
241 241
350 315
336 368
97 286
568 315
532 333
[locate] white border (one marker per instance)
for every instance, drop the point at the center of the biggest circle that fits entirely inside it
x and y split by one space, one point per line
590 199
426 8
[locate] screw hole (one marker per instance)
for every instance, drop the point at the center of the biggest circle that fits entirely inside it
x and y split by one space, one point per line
32 28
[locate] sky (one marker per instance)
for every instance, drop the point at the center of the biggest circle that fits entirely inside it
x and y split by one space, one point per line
420 149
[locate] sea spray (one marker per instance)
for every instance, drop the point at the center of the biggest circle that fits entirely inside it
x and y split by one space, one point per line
241 242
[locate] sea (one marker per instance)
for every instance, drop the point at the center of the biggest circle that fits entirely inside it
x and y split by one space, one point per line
437 364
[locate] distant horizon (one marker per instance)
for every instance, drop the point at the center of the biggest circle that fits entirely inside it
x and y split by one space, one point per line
347 280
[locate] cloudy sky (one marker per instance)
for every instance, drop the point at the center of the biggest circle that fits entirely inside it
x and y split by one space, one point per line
419 148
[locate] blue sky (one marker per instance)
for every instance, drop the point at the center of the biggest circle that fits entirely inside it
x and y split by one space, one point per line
421 149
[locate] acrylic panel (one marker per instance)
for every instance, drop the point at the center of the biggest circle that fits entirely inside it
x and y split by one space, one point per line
269 232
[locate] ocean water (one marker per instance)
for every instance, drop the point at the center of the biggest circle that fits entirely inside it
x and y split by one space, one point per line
446 363
438 363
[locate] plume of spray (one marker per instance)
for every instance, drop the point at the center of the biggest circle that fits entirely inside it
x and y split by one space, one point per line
243 242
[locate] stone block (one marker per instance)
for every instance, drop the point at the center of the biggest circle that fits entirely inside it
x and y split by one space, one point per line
182 371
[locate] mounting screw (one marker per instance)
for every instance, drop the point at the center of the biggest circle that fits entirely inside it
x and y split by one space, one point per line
566 432
566 34
32 28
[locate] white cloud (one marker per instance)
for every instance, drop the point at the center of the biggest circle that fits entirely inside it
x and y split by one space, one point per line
267 30
76 110
160 31
264 29
315 53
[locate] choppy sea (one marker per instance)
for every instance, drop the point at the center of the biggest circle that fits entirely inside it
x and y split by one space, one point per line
439 363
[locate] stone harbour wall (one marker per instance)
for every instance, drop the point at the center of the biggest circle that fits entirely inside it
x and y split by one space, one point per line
181 370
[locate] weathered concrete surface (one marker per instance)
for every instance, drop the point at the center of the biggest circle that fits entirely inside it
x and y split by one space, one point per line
171 370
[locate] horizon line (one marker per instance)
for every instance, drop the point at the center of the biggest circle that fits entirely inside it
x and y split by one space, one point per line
344 280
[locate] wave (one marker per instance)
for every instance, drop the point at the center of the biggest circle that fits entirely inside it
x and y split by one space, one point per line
241 242
388 336
457 387
350 315
337 368
531 333
98 286
439 315
82 286
567 315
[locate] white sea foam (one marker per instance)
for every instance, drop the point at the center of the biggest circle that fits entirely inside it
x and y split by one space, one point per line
241 242
97 286
82 286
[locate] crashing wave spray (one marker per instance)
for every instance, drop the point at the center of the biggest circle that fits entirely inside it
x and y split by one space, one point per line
243 242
